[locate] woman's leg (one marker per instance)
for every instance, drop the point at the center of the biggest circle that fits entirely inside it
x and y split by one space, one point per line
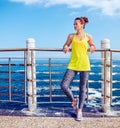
83 84
65 84
82 93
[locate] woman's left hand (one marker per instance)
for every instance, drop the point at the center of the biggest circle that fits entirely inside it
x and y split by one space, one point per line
92 49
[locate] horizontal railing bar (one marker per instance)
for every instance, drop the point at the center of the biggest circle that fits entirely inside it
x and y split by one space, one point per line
7 64
47 80
14 101
65 102
55 64
91 73
52 49
4 86
115 50
20 72
4 79
13 49
22 80
65 65
63 73
114 66
12 65
53 102
4 94
61 50
58 88
52 95
13 57
13 87
50 72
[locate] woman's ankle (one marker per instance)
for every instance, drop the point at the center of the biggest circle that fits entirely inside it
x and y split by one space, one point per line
74 102
79 111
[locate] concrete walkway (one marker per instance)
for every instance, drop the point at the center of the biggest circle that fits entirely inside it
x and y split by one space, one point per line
56 117
57 122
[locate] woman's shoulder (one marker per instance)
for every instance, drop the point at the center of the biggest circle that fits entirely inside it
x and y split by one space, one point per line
88 35
89 38
71 35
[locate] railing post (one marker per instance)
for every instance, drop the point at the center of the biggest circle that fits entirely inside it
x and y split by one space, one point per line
31 75
106 76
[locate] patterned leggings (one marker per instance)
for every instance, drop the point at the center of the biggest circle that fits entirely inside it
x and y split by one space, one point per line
68 78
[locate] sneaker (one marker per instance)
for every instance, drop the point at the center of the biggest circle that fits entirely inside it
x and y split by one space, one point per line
79 116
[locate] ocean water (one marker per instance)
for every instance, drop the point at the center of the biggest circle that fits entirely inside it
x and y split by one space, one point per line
16 71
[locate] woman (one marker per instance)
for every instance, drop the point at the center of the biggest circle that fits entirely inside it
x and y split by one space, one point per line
79 62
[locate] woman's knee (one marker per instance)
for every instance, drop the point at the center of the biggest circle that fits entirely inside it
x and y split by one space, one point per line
64 87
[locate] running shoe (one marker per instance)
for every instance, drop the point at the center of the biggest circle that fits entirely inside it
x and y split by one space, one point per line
79 116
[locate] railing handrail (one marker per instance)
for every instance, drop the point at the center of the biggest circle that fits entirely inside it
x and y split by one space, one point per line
12 49
50 49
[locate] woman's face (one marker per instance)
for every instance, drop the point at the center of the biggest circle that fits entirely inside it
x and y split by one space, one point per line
77 25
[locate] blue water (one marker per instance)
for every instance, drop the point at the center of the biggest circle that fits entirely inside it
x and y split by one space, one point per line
17 81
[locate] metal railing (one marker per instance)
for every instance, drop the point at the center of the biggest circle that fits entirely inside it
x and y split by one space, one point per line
13 76
49 72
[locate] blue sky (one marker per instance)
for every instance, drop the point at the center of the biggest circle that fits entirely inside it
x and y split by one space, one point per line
50 21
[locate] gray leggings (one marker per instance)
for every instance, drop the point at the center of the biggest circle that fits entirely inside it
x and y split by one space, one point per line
68 78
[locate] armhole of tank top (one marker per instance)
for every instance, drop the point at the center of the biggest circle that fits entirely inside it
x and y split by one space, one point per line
85 37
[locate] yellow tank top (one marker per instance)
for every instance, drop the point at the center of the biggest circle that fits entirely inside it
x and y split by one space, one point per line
79 57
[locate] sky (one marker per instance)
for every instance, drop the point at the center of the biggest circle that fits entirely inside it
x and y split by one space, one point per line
50 21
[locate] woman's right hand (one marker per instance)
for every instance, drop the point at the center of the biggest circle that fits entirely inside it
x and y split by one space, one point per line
66 49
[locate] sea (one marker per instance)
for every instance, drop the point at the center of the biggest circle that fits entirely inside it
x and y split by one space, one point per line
49 73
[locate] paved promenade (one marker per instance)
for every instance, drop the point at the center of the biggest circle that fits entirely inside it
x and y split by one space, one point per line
57 122
56 117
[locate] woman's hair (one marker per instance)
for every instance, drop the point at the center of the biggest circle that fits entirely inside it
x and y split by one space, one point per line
83 20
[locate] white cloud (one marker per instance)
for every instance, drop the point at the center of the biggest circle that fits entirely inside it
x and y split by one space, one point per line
107 7
74 13
27 2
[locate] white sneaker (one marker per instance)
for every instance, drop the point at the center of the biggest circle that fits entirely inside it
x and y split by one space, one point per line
79 116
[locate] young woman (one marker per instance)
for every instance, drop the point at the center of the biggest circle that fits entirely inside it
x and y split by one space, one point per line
79 62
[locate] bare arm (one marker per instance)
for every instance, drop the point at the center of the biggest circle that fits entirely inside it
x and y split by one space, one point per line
68 43
91 43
